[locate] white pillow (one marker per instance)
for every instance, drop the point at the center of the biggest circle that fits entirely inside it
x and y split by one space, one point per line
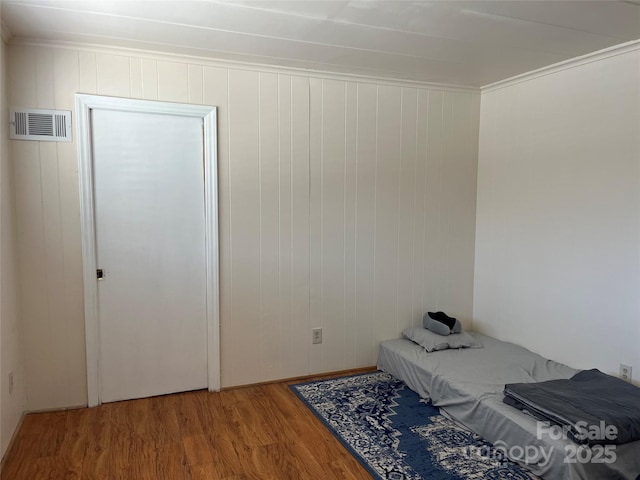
433 342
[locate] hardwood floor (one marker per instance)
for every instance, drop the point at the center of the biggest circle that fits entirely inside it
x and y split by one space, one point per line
257 432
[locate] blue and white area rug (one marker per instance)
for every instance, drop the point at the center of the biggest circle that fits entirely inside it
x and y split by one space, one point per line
397 436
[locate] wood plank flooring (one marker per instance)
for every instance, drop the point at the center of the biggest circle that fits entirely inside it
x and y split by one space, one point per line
256 432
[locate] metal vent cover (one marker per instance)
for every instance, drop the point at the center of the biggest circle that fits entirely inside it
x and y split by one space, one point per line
38 124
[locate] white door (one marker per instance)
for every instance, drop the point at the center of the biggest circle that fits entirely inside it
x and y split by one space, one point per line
150 244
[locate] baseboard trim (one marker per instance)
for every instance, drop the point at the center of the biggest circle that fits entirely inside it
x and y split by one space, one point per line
56 409
310 377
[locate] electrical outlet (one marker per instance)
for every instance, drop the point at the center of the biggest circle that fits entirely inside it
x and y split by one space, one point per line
10 383
625 372
316 335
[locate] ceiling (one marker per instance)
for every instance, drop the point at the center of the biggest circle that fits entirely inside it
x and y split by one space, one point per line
470 43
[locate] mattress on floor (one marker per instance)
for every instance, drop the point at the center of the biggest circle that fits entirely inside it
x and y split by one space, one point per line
468 385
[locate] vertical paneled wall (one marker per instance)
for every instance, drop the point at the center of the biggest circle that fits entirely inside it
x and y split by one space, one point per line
343 205
12 398
48 223
265 320
392 202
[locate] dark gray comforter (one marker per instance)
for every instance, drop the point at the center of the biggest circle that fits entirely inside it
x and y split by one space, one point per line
468 385
592 407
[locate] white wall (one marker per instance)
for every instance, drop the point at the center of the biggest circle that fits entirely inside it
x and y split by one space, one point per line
558 216
393 185
11 360
347 205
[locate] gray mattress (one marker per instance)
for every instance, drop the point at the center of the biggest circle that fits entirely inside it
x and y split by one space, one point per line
468 383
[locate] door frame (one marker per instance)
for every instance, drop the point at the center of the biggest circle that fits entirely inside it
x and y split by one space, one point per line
84 105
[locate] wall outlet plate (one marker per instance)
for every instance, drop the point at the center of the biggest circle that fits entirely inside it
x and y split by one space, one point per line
625 372
316 334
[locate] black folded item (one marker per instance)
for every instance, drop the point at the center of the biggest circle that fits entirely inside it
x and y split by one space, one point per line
592 407
441 323
443 318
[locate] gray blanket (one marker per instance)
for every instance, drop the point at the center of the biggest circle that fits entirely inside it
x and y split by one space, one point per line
468 385
592 407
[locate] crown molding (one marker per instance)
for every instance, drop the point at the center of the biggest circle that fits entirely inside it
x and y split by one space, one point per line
240 65
614 51
5 33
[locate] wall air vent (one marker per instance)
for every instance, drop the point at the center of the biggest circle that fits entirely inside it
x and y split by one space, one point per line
37 124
